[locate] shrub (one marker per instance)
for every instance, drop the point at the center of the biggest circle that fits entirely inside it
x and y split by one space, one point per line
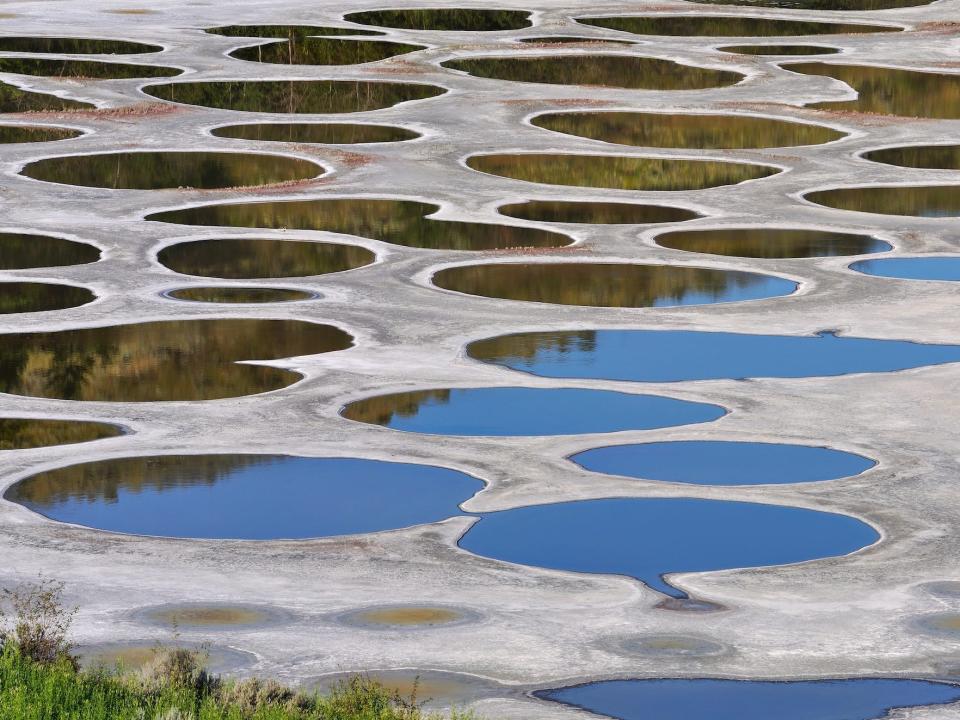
41 622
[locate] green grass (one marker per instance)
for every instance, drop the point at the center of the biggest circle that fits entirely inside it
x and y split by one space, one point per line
33 691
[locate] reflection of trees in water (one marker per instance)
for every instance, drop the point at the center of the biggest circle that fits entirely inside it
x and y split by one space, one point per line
401 222
595 212
320 133
74 46
15 100
780 49
323 51
771 243
444 19
242 258
155 361
380 410
824 4
155 170
937 157
527 347
294 96
286 32
887 91
611 171
728 26
103 480
18 250
593 284
51 67
19 433
603 70
923 201
686 131
20 297
27 134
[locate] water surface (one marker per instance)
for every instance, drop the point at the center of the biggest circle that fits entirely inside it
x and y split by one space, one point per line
606 213
294 96
610 284
15 100
711 462
518 411
647 538
674 355
854 5
74 46
728 26
156 170
10 134
700 699
24 250
930 201
231 294
912 268
26 297
323 51
772 242
455 19
780 49
317 133
727 132
162 360
399 222
250 258
83 69
571 40
934 157
246 497
287 32
890 91
22 433
619 172
620 71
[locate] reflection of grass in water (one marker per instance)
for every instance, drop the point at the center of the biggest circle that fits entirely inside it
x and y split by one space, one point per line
595 212
401 222
625 173
443 19
686 131
323 51
779 50
156 361
600 70
409 616
239 294
294 96
15 100
241 258
318 133
103 480
93 69
921 201
937 157
208 616
287 32
20 250
27 134
728 26
19 433
592 284
74 46
25 297
771 243
889 91
156 170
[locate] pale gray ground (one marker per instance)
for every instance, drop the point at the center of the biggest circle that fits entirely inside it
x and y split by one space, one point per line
841 617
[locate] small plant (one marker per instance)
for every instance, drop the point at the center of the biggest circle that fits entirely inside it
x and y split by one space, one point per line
40 622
